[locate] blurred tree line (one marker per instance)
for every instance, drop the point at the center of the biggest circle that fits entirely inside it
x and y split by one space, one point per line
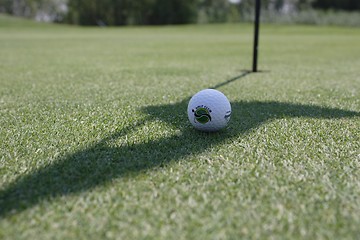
348 5
42 10
125 12
156 12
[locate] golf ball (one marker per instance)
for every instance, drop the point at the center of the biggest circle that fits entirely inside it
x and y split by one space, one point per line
209 110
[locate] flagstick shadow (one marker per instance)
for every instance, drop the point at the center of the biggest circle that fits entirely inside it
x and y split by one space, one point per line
244 74
103 162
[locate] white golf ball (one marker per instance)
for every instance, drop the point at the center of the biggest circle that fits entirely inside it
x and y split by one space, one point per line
209 110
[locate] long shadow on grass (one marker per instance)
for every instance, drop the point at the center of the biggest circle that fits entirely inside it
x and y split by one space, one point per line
100 163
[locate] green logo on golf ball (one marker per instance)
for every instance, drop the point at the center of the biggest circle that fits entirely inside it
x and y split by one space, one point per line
202 115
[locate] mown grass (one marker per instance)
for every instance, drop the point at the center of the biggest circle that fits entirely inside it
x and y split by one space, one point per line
95 141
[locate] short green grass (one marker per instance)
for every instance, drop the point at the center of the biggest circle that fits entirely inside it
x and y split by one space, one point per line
95 142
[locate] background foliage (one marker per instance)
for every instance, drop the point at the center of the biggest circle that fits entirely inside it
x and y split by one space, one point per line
158 12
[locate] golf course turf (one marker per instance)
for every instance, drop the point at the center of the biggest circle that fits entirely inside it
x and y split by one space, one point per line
96 144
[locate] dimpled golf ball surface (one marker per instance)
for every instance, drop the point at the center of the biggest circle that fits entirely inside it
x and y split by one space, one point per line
209 110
